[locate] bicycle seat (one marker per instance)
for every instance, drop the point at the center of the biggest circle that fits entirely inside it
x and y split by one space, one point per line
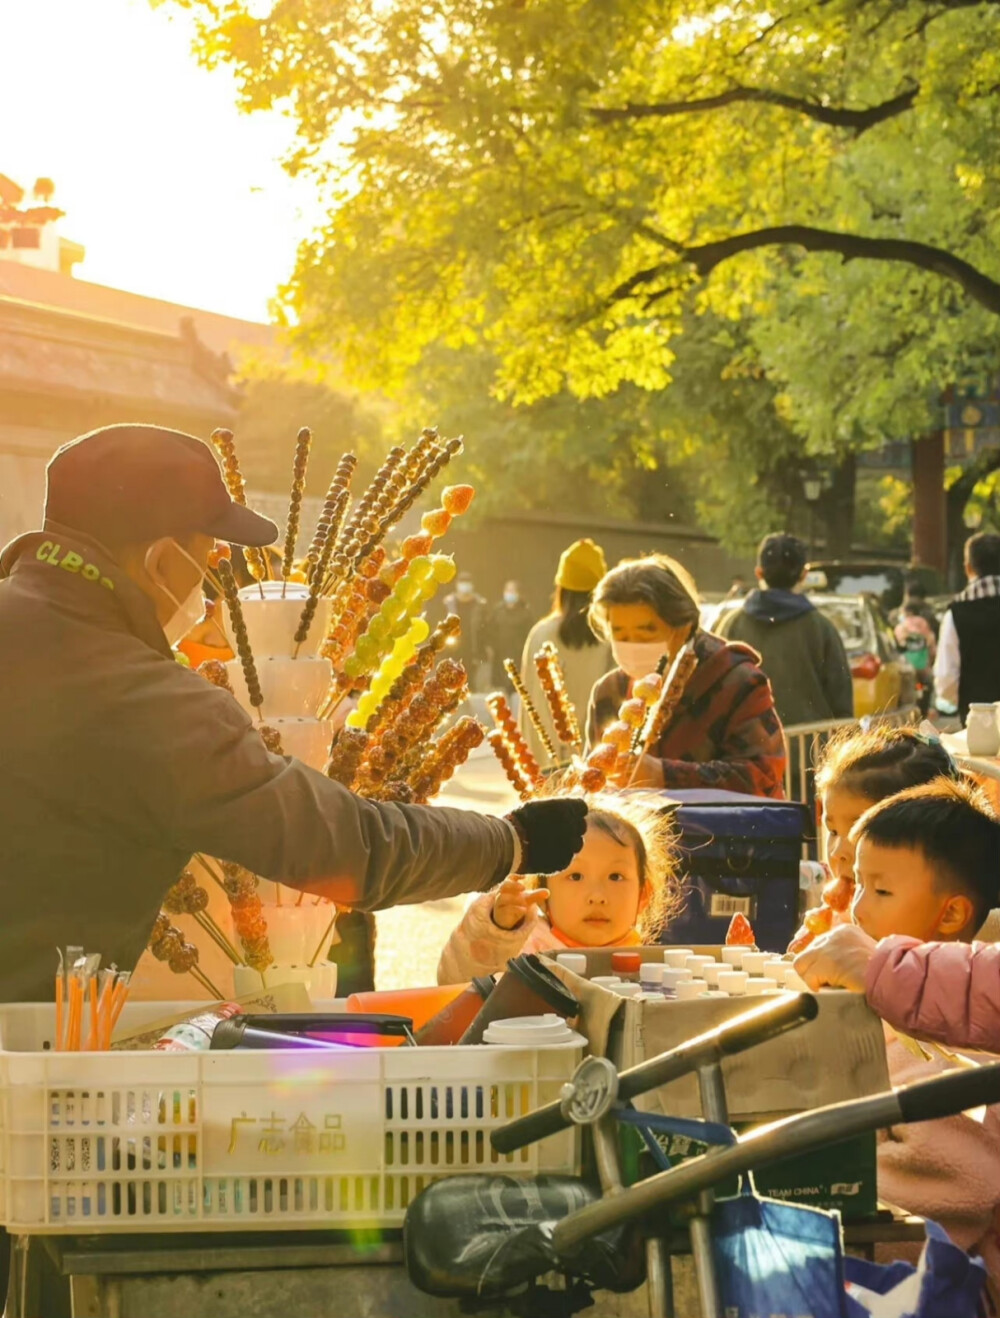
485 1236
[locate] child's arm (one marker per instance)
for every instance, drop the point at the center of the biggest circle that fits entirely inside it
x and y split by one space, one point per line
944 991
493 929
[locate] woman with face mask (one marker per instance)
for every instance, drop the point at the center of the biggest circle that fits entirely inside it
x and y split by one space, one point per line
725 733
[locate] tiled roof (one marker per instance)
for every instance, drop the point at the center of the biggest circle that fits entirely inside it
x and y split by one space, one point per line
51 289
48 351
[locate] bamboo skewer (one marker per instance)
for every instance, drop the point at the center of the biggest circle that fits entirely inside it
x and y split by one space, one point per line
531 709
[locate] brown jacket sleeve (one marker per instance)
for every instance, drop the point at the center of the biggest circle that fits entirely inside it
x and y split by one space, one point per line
205 782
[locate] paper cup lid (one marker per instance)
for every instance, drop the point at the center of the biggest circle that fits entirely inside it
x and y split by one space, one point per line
531 1032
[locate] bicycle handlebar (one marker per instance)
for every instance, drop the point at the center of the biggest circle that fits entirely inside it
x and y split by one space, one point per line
734 1036
942 1096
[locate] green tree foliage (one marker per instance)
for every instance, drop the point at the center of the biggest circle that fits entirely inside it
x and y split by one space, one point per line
552 187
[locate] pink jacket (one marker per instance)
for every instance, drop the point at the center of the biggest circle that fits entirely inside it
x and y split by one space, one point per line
948 1169
949 992
480 947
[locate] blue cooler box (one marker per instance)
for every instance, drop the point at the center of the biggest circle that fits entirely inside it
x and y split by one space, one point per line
738 854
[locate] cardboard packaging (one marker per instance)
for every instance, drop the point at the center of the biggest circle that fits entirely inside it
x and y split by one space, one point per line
836 1057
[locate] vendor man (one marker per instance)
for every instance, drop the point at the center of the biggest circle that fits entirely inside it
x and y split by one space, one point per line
117 764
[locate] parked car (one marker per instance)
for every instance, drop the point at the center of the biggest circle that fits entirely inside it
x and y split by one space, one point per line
886 581
883 680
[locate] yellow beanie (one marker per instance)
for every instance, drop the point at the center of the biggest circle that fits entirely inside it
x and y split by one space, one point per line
581 566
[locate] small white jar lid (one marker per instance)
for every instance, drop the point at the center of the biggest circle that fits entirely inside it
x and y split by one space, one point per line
757 986
575 961
676 956
776 969
695 963
710 974
607 981
754 962
531 1031
689 989
652 972
733 956
734 982
627 989
672 977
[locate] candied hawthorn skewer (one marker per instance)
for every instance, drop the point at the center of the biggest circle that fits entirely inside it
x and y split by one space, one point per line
515 744
318 576
332 515
249 921
215 671
553 683
243 650
660 714
188 897
446 755
346 754
300 464
168 944
531 709
225 445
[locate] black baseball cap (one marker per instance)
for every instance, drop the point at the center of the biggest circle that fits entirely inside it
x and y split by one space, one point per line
128 484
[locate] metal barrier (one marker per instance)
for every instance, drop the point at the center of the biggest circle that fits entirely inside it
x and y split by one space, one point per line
805 741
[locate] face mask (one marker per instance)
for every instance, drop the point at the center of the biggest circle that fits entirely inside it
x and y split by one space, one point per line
189 610
510 597
638 658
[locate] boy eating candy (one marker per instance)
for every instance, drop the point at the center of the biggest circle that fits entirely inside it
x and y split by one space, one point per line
927 865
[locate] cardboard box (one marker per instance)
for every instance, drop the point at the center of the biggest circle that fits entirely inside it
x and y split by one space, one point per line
836 1057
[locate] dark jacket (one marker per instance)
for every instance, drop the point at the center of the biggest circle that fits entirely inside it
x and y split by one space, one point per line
117 764
977 622
800 651
724 733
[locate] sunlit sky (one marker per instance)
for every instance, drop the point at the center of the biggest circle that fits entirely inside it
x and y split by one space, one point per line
173 192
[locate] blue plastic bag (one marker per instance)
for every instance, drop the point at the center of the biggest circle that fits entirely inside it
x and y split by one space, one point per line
778 1258
946 1283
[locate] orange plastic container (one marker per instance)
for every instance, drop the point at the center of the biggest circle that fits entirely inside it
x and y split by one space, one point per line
420 1004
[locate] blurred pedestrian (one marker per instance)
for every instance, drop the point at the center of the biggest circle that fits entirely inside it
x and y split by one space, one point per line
800 649
470 607
739 588
966 669
585 658
507 629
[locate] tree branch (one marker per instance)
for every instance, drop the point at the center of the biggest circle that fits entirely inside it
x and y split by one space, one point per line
858 121
852 247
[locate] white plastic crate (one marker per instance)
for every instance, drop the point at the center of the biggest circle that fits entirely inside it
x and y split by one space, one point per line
145 1141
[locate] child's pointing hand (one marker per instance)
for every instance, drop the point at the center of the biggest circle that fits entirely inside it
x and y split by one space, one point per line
514 903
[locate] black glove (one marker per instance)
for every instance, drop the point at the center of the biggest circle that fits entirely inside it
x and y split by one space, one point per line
551 833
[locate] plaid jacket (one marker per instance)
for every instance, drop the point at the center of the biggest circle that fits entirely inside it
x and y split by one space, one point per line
725 734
